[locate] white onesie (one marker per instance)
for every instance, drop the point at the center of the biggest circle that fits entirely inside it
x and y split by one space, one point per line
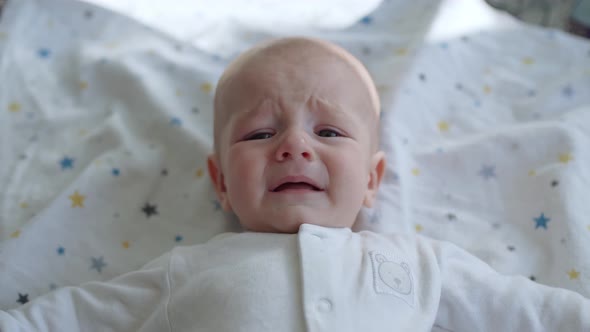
321 279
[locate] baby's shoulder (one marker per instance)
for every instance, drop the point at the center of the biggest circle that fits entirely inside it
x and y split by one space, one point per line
235 244
409 244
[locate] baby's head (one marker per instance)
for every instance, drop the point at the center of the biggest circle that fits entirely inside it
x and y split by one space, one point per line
296 137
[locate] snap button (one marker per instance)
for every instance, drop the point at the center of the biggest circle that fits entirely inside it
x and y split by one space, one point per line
319 235
325 305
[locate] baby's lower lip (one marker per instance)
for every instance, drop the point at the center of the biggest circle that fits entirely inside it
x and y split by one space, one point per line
297 191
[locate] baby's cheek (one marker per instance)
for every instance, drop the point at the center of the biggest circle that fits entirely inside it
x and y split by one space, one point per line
244 169
351 170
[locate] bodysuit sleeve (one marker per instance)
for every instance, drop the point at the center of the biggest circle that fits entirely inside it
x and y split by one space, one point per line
474 297
135 301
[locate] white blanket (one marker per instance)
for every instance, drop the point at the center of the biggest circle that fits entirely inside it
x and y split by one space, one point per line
105 125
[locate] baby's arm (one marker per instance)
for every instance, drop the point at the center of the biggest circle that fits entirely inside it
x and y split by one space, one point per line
476 298
127 303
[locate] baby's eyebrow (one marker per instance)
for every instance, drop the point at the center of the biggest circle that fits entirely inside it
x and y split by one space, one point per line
257 110
324 105
316 106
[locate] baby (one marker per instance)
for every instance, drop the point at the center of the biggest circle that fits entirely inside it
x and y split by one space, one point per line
296 137
295 158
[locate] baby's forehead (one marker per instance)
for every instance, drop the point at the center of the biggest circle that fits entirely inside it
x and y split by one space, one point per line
296 57
300 53
277 60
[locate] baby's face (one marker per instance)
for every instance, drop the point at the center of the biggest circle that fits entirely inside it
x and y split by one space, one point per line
296 143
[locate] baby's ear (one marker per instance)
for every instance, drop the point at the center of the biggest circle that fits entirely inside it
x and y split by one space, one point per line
375 176
216 176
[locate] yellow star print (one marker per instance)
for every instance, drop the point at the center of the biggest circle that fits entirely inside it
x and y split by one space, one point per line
14 107
416 171
111 45
125 244
528 61
418 228
206 87
381 90
443 126
400 51
565 158
573 274
199 173
15 234
77 199
532 172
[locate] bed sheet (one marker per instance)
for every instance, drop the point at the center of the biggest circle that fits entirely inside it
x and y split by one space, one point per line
106 124
491 132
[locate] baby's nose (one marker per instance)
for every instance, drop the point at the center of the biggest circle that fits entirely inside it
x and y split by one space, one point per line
293 146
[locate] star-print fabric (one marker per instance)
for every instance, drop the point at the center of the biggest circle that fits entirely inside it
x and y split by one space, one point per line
106 124
491 145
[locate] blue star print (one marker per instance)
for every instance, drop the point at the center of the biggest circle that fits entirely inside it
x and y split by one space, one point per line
115 172
487 172
98 264
367 20
61 251
176 122
178 238
567 91
67 162
541 221
150 210
43 53
23 298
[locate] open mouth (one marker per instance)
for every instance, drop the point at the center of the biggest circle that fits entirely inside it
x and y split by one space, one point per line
296 186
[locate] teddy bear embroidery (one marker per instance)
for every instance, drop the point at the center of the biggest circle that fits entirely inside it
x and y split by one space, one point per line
392 278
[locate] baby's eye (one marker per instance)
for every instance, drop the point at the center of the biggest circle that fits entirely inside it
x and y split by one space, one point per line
328 133
259 136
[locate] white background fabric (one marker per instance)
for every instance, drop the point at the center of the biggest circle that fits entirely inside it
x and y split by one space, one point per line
105 125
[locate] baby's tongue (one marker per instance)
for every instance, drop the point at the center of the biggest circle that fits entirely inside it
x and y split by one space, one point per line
298 185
